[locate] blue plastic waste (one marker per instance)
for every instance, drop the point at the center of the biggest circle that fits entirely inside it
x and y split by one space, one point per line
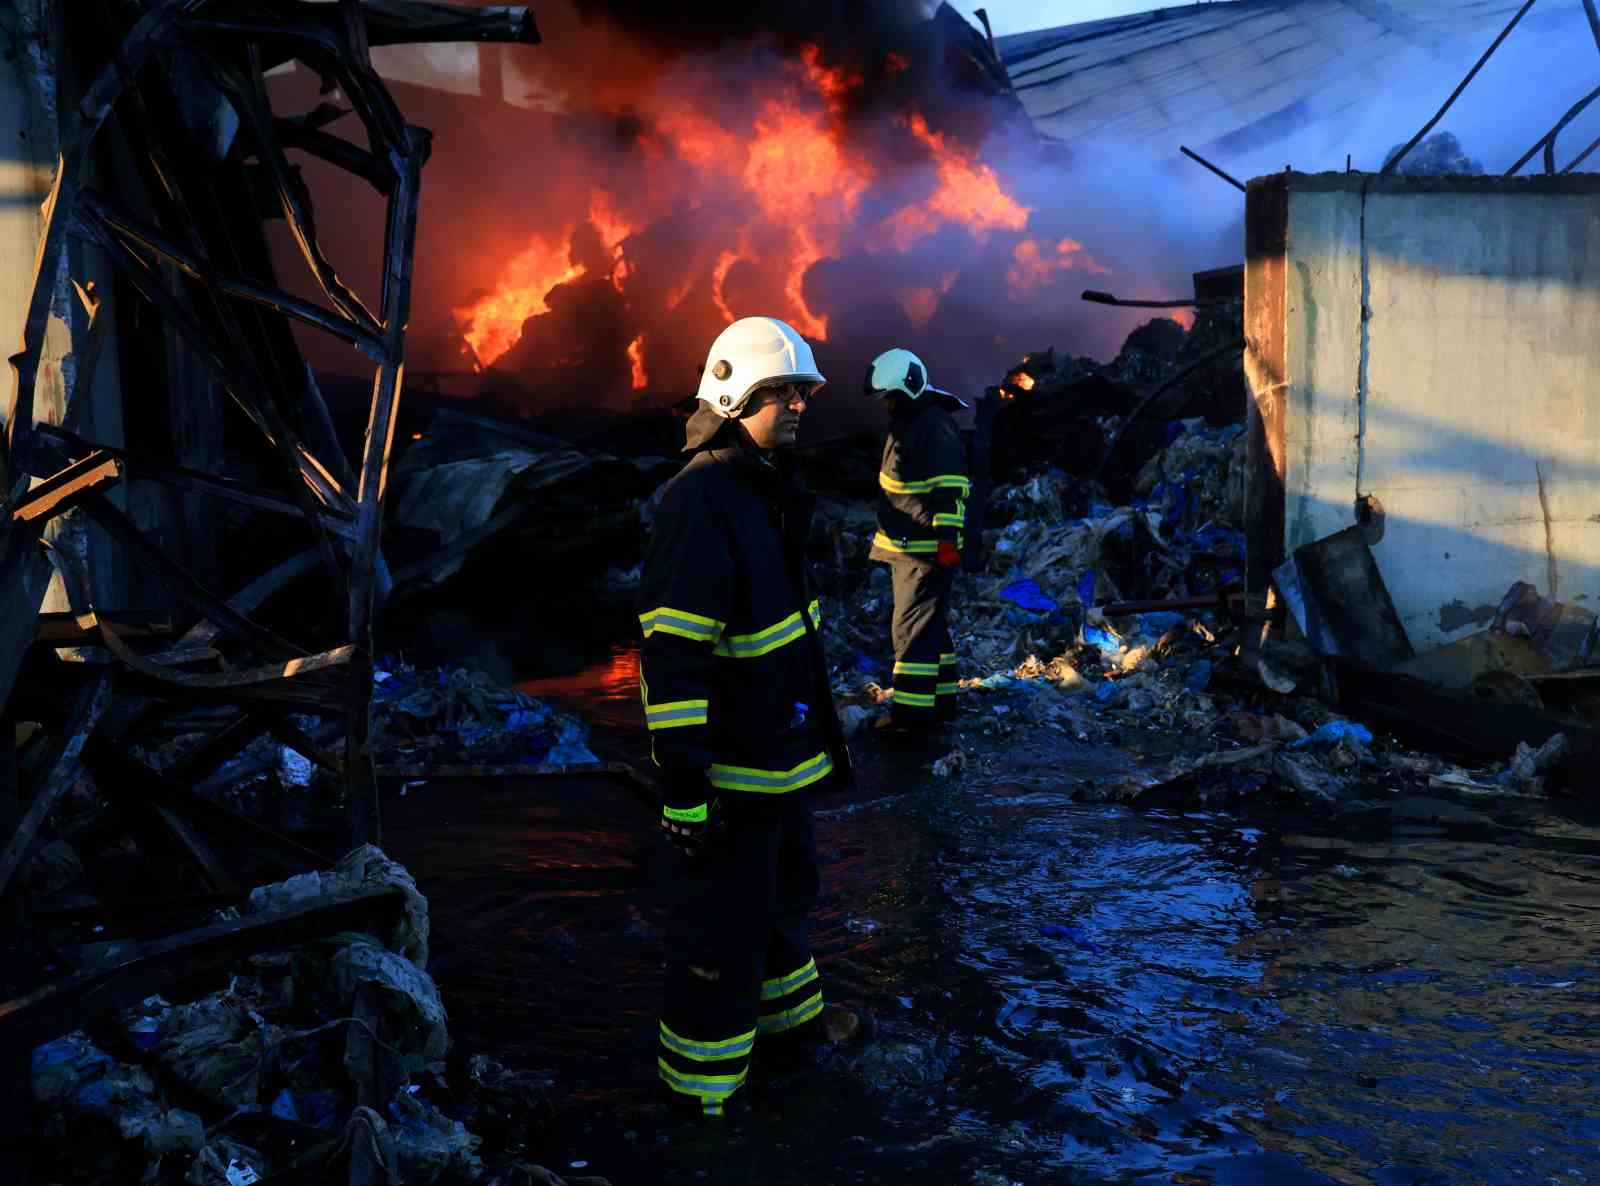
1109 692
1157 624
1086 584
1199 677
1096 637
1027 594
1333 733
1074 935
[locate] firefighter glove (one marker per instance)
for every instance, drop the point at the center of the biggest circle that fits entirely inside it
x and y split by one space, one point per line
691 828
949 555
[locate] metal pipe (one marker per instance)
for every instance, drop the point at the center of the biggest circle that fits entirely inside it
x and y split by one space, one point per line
1392 162
1548 140
1105 298
1582 156
1228 177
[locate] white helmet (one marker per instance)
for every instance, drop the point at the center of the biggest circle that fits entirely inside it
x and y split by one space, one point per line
754 352
899 370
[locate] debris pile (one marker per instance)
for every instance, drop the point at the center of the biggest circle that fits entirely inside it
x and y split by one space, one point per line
308 1059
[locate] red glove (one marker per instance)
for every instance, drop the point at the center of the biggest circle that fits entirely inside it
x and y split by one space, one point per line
949 555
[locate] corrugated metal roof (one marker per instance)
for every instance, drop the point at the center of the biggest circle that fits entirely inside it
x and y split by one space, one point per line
1237 75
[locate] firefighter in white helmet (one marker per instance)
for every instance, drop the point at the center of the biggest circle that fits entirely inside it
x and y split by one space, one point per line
923 486
741 719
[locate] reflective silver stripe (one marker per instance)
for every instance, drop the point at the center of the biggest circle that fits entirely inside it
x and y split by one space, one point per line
748 646
745 778
665 718
708 1051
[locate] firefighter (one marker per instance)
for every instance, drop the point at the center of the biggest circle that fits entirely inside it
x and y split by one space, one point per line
922 490
741 719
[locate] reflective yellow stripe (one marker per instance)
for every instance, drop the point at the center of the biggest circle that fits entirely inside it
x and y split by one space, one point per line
675 715
902 668
948 657
790 1018
771 990
686 815
955 520
707 1087
708 1051
764 642
694 627
915 547
924 485
772 782
913 699
948 689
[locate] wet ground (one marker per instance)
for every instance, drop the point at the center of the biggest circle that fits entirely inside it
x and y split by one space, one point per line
1402 995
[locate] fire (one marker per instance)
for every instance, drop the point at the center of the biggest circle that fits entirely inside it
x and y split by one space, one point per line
636 360
969 192
793 173
719 274
494 323
1184 317
1033 267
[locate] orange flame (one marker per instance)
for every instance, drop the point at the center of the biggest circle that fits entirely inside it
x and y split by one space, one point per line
494 322
807 322
1033 267
921 302
969 192
1184 317
636 361
725 262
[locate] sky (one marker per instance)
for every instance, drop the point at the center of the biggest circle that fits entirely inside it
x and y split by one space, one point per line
1023 16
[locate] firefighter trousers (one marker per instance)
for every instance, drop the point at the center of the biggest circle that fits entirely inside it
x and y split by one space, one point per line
924 654
739 965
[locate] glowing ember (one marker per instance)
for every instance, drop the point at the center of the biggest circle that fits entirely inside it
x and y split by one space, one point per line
1184 317
636 360
494 323
1033 267
1021 380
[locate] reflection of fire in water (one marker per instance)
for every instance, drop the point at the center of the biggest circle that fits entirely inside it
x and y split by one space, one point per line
607 693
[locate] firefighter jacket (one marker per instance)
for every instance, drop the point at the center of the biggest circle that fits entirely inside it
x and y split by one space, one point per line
732 673
922 482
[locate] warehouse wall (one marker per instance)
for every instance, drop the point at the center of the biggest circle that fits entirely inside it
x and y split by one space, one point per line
1432 343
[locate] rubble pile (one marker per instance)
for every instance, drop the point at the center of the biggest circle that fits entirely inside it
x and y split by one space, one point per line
266 1074
1092 620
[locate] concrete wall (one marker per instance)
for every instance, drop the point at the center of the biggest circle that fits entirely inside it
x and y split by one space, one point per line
1434 343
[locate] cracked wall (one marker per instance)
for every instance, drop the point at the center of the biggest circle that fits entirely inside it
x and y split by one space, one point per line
1440 353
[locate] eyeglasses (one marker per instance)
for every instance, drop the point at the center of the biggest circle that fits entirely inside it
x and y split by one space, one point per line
788 395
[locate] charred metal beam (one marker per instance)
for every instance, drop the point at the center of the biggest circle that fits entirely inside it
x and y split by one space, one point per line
1096 297
65 489
335 150
220 746
1582 156
93 109
1393 162
399 239
1547 142
228 489
136 234
1200 160
254 595
311 472
77 1000
62 772
184 583
1594 20
121 776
